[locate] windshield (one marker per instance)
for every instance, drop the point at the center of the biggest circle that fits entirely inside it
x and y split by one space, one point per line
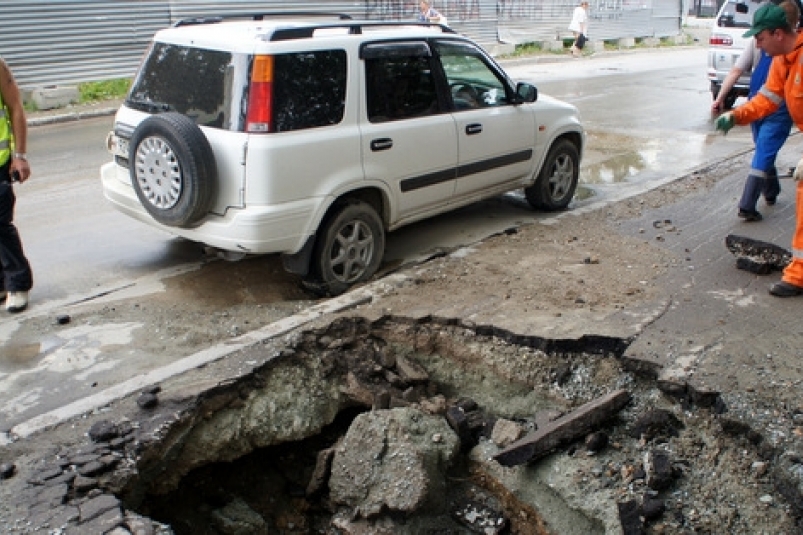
738 14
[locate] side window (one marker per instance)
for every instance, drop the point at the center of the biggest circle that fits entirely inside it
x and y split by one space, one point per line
399 88
309 89
472 83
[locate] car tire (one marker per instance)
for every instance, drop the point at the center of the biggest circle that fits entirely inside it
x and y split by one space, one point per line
349 248
730 99
172 169
557 181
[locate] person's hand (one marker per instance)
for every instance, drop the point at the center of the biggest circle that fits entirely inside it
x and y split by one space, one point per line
717 106
798 174
725 122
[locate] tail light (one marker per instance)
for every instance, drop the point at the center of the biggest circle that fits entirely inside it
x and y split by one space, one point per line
260 95
719 39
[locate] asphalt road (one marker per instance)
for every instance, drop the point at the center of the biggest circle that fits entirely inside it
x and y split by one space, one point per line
79 245
82 250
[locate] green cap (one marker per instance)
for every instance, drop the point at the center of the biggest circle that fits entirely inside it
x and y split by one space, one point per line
767 17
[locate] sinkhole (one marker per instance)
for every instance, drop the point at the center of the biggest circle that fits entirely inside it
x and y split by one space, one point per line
426 426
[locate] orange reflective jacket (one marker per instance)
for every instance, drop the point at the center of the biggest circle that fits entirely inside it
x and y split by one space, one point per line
784 83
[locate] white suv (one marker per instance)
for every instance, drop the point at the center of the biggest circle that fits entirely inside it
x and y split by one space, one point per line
726 45
314 135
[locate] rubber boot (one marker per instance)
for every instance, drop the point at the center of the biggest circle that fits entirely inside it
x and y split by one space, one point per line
772 186
752 191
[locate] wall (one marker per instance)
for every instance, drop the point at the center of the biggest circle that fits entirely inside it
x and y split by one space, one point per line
60 42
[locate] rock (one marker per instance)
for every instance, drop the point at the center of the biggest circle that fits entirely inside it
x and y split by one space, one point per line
92 469
103 523
388 462
53 495
98 506
655 423
629 518
138 525
652 508
458 421
103 431
237 518
147 400
320 476
84 484
658 467
505 432
596 441
411 372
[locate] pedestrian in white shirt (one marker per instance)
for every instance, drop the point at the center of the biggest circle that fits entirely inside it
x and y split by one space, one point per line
579 27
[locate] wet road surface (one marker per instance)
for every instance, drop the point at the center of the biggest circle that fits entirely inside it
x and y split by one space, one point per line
647 120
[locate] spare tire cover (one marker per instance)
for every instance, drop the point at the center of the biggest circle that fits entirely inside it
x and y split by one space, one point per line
172 169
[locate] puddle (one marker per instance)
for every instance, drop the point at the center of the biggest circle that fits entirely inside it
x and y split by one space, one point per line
615 158
72 349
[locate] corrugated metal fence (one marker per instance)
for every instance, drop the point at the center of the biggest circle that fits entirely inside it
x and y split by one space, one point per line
60 42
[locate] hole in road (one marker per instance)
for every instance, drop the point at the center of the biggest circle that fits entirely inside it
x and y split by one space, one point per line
403 426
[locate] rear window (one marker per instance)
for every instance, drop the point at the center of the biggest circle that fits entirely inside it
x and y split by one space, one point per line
730 16
191 81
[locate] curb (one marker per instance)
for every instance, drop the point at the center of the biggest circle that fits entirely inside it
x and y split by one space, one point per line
70 116
347 301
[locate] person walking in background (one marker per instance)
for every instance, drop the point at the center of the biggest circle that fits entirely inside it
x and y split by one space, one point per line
769 133
427 13
16 277
775 36
579 27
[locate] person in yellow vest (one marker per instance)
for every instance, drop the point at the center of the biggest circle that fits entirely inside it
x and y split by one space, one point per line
16 278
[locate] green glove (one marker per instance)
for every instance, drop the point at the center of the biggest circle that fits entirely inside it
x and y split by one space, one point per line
725 122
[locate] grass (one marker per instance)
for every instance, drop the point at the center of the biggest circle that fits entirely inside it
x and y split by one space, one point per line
103 90
89 92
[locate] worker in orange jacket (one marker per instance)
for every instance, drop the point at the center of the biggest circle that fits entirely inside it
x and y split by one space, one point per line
776 37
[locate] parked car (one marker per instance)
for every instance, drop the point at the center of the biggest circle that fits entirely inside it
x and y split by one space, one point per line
726 45
313 136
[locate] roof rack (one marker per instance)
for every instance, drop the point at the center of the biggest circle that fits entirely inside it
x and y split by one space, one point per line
259 16
354 27
307 31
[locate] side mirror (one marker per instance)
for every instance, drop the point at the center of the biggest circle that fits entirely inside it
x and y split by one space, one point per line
526 92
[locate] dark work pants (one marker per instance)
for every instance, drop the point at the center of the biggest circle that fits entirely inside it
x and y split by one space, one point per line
15 271
769 135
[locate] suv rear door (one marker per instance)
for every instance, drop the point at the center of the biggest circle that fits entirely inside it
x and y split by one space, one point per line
408 140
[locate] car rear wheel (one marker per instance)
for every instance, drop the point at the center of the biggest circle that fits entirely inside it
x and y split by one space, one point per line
557 181
729 101
172 169
349 248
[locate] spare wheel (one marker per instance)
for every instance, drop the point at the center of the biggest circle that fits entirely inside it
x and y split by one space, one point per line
172 169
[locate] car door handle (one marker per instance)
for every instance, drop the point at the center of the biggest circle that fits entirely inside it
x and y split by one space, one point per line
472 129
381 144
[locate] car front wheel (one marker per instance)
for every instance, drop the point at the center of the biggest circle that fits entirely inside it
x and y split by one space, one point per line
350 247
554 188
